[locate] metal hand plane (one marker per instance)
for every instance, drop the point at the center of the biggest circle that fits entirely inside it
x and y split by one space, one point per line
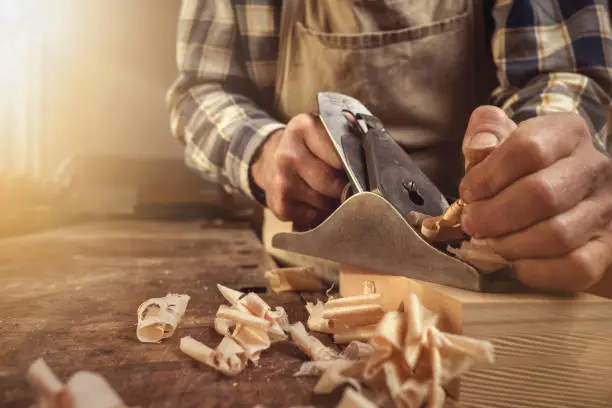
369 229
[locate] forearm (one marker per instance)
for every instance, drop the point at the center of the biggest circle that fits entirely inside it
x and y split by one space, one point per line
212 103
221 132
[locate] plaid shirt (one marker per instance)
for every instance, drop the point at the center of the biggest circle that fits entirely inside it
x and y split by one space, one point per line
551 56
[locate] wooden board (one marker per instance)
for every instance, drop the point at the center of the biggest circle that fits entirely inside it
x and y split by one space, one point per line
71 296
550 351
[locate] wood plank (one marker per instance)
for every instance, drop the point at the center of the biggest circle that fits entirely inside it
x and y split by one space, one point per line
70 295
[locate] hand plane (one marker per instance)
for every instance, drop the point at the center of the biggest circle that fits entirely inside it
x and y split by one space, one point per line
369 229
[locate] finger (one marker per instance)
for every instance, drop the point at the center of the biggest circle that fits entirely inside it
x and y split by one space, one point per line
534 198
295 161
319 176
534 145
317 140
299 190
558 235
289 185
296 211
487 127
576 271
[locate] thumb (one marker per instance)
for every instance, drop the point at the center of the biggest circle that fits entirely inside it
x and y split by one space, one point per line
487 128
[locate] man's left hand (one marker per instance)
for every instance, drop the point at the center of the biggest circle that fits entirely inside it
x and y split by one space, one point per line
540 195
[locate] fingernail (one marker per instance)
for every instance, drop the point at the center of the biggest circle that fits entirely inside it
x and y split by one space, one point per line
483 140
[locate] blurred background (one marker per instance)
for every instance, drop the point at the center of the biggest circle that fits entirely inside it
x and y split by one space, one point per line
84 127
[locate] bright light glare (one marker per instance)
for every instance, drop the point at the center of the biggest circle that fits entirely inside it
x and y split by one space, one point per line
22 16
25 27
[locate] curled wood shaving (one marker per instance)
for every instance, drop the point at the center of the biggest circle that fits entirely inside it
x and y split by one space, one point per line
159 317
357 350
238 316
363 333
83 390
346 314
408 361
224 326
373 298
249 327
447 227
231 295
316 321
280 324
348 319
253 340
302 278
338 374
354 399
229 358
310 345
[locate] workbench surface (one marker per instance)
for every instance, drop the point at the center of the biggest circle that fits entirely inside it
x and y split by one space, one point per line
70 295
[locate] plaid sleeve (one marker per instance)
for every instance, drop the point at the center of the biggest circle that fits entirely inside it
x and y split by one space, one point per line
213 102
554 56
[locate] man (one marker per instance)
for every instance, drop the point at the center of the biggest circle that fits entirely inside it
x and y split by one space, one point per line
539 187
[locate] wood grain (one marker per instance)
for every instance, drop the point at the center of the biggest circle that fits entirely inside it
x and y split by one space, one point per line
71 295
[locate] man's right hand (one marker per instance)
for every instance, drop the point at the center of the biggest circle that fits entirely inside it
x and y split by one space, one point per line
300 172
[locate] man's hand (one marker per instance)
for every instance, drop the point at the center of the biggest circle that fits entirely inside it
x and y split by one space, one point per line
540 195
300 172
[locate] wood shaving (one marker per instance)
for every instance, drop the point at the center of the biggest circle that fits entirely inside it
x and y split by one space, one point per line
229 358
158 318
249 326
348 319
302 278
336 375
310 345
238 316
407 361
372 298
253 340
83 390
357 350
231 295
363 333
316 321
354 399
447 227
345 314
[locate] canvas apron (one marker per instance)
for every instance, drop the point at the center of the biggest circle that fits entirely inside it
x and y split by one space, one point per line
421 66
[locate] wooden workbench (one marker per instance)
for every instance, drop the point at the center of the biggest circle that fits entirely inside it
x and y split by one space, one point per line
70 296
